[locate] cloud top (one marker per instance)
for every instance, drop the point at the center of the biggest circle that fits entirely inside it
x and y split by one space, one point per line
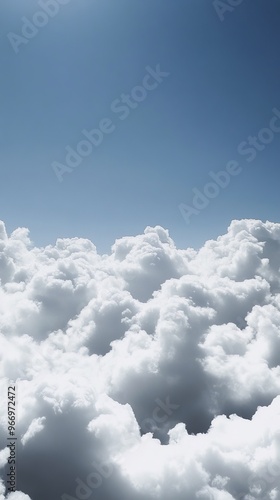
152 372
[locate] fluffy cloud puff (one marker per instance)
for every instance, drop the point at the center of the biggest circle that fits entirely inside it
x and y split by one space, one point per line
148 373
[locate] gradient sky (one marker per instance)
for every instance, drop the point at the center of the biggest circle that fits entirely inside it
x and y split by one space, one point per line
223 83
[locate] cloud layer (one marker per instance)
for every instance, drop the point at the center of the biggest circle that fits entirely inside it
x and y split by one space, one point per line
149 373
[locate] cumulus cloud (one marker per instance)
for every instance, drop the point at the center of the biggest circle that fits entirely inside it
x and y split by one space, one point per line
36 426
152 372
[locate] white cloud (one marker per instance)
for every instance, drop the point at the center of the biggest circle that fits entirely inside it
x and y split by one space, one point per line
37 425
106 348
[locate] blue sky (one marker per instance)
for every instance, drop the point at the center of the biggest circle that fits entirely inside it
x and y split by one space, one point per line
223 83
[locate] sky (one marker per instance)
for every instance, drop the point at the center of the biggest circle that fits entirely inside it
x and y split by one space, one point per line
222 84
139 250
